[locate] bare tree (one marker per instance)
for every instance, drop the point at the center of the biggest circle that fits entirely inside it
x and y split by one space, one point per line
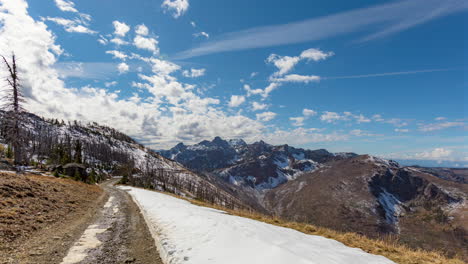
13 101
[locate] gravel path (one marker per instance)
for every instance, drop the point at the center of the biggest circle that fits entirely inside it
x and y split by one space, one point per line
117 235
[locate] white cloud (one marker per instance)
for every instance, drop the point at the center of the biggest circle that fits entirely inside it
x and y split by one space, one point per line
253 74
121 28
284 63
315 54
440 118
119 41
177 7
123 68
270 88
236 100
193 23
439 126
201 34
435 154
401 130
66 6
266 116
259 106
141 30
110 84
117 54
308 112
170 114
163 67
301 136
297 121
72 26
146 43
331 117
194 73
361 133
384 20
251 91
297 78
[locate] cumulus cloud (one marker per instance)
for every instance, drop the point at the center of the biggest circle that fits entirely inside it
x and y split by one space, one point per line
120 28
309 112
297 121
259 106
172 112
123 68
236 100
150 44
116 54
141 30
177 7
331 117
306 114
266 116
193 73
66 5
435 154
119 41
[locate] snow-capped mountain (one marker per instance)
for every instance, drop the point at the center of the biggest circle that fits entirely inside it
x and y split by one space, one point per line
258 165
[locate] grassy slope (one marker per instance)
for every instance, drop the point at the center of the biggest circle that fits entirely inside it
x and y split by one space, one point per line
31 203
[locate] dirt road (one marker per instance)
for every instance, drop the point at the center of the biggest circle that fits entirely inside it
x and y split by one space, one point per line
110 229
118 234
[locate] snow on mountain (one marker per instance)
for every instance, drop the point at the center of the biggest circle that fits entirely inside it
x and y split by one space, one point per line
186 233
110 151
259 165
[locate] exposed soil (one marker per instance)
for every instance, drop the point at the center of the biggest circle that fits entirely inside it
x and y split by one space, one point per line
42 219
126 238
40 214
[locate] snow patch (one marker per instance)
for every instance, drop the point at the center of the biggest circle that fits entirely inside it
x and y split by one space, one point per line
187 233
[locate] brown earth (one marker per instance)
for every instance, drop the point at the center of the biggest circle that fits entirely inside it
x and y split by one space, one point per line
42 217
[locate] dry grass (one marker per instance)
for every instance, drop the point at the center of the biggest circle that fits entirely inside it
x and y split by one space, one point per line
388 247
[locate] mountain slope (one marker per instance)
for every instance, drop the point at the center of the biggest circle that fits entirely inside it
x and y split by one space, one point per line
51 143
259 165
374 197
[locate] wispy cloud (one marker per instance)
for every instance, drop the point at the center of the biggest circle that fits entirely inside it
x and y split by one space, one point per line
384 74
383 19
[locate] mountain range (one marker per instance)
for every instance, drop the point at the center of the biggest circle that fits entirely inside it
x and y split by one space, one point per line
343 191
424 207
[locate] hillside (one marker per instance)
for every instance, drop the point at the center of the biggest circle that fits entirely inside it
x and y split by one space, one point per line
51 144
423 207
33 209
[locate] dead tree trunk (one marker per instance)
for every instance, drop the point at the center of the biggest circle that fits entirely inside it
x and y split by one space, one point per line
13 109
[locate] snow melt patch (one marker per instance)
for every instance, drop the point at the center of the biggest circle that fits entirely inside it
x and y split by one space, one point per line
391 205
87 241
187 233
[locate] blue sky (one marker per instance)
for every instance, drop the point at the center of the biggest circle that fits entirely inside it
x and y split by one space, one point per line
379 77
